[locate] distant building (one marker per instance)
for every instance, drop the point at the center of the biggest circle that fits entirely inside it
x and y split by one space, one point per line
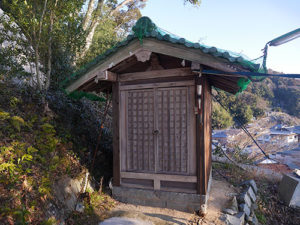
219 136
283 134
296 130
224 136
265 138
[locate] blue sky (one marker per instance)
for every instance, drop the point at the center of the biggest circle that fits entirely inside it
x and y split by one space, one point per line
237 25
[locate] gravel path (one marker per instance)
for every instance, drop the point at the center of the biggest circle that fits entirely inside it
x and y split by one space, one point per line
127 214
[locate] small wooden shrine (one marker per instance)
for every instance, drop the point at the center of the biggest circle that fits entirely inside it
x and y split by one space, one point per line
162 105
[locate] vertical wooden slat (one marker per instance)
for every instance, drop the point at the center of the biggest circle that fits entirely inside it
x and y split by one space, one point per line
136 147
191 132
143 131
198 143
116 139
123 129
167 150
152 126
180 136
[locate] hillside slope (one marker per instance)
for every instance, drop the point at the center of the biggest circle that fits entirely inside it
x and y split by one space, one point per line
36 153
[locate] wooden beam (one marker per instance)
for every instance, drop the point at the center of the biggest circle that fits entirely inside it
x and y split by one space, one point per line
194 55
111 61
155 74
157 85
116 135
106 76
159 80
160 177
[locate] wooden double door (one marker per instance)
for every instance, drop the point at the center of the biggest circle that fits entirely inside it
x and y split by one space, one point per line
157 129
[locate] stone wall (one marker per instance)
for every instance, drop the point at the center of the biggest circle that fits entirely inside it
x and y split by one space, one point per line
164 199
242 206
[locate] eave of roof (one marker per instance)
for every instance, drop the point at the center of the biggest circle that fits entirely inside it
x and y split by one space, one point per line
145 28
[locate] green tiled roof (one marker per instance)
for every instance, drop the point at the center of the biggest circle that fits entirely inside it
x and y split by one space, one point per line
145 28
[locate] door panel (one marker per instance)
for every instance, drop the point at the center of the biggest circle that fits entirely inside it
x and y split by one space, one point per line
140 140
172 125
157 134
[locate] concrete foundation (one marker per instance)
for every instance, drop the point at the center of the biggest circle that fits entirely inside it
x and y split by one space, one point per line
164 199
289 190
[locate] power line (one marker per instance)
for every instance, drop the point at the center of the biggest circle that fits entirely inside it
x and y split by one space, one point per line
241 125
250 75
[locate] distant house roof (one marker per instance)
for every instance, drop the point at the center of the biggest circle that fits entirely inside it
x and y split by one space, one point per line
219 134
265 161
281 132
296 129
146 29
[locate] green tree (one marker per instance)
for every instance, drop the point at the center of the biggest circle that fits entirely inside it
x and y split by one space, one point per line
238 106
55 36
39 23
221 119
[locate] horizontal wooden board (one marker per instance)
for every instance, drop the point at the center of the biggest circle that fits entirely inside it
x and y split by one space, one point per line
164 177
155 74
143 182
177 184
157 85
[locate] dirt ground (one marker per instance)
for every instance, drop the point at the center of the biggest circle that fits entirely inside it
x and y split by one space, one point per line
221 192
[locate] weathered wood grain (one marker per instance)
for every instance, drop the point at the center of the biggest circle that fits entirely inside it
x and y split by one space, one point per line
116 134
155 74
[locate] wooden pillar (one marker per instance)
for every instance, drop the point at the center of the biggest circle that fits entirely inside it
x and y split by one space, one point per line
207 130
116 138
203 134
199 136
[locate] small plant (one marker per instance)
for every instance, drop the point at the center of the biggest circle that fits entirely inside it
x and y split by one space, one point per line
45 186
50 221
46 140
14 101
4 115
260 217
21 216
17 122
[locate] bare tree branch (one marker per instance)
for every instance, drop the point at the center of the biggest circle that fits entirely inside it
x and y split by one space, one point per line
119 6
48 75
41 20
93 25
88 15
